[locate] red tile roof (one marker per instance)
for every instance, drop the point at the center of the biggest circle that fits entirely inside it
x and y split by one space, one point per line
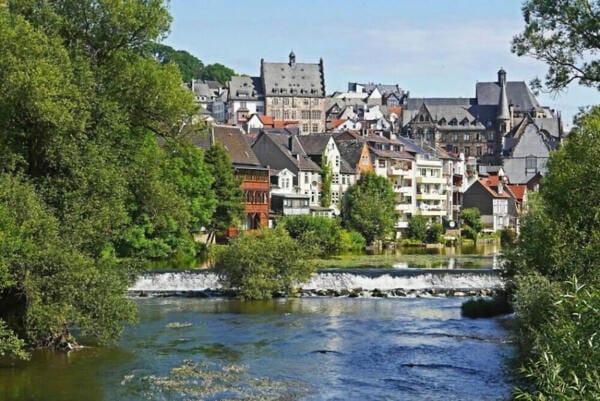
337 122
395 109
491 185
518 191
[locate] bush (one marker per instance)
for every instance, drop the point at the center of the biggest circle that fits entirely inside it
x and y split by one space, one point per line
352 241
507 236
417 228
317 234
469 233
482 307
434 233
472 218
260 265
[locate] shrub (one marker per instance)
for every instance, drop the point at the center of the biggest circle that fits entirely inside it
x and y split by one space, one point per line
352 241
259 265
469 233
318 234
507 236
434 233
472 218
417 228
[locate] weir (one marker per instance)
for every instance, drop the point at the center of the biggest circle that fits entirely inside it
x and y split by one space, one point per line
338 282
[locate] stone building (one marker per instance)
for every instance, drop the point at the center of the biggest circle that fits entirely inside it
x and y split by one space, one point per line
295 91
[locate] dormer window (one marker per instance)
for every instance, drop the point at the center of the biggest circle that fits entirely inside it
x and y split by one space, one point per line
443 121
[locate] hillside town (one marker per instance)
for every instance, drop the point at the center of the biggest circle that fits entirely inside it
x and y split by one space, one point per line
487 150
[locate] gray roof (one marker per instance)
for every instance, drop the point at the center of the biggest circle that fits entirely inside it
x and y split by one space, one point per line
293 79
448 112
414 103
384 89
350 151
291 148
200 88
245 88
314 144
519 95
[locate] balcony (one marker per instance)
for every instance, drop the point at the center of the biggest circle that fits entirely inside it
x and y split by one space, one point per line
431 196
403 190
404 207
433 212
393 170
431 180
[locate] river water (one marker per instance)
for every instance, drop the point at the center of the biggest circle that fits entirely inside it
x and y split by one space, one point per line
311 348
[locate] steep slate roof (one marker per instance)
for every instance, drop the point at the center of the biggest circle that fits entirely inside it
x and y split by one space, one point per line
200 88
519 95
233 141
282 142
293 79
413 103
245 88
314 144
350 151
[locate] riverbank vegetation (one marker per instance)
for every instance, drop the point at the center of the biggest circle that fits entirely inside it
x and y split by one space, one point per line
98 176
555 272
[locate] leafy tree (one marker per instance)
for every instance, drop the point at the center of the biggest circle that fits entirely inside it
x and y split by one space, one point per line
565 35
81 109
434 233
226 186
472 217
417 227
369 207
217 72
554 267
326 178
258 266
189 66
318 234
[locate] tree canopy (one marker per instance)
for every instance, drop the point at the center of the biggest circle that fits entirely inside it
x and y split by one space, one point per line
96 179
370 207
565 34
189 65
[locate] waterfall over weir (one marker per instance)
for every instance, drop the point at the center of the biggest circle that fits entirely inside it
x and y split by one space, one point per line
355 282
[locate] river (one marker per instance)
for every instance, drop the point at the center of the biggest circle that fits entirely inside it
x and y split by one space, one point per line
309 348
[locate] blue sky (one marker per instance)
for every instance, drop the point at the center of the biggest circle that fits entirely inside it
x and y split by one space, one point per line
430 47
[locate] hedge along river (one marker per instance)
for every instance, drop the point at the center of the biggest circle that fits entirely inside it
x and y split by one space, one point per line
310 348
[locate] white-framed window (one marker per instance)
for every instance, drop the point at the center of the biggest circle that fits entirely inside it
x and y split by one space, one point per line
336 179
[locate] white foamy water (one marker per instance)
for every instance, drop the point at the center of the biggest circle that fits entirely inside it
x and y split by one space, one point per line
370 279
421 281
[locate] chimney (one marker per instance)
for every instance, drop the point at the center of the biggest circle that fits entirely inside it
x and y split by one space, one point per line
500 187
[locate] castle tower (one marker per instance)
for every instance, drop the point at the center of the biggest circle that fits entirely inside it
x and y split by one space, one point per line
503 115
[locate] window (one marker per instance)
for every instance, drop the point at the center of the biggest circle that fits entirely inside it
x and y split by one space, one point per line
344 179
286 100
286 114
315 102
305 114
444 137
423 172
455 137
381 163
479 151
316 114
334 197
467 137
293 114
277 114
337 161
467 151
275 100
530 165
243 105
306 178
335 179
421 118
478 136
430 136
305 101
315 128
304 127
260 108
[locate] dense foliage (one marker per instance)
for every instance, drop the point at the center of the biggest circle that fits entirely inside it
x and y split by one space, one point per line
565 34
417 228
370 207
263 264
326 179
95 178
319 235
555 266
189 66
226 186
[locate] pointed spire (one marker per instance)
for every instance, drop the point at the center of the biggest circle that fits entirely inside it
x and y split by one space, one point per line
292 58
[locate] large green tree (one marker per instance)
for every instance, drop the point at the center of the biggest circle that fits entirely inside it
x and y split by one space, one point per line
226 186
565 34
217 72
555 268
189 65
82 110
370 207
